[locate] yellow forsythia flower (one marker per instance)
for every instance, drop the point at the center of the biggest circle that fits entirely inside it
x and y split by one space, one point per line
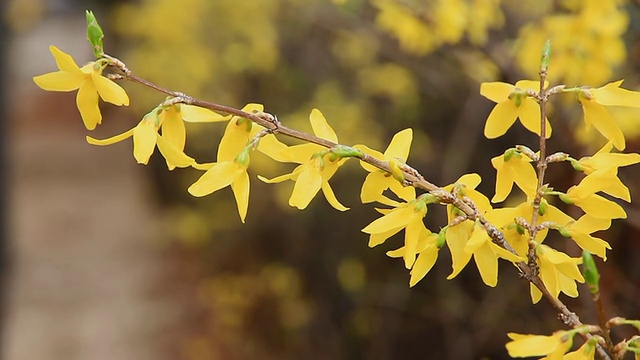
584 196
232 162
581 230
315 169
512 103
377 180
558 271
594 102
586 352
89 82
517 169
427 250
146 137
554 346
407 216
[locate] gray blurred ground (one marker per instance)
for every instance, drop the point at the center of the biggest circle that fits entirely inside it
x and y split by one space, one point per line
84 257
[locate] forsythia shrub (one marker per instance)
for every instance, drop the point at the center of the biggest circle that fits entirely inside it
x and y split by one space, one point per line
476 228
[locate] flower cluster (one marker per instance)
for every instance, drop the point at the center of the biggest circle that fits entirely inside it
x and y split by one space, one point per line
474 229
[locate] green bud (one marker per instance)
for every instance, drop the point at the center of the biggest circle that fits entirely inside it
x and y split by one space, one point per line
442 239
542 209
509 153
95 35
546 56
590 272
564 232
243 157
576 165
520 229
343 151
565 199
396 171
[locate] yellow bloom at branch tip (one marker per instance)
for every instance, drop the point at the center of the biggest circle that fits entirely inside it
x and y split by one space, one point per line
146 138
512 103
554 346
377 181
594 103
315 168
89 82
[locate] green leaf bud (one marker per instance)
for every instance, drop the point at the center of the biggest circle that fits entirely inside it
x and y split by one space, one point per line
546 56
442 239
590 272
565 199
509 153
542 209
343 151
95 35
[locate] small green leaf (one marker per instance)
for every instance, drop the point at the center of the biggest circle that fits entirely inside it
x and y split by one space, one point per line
546 56
95 35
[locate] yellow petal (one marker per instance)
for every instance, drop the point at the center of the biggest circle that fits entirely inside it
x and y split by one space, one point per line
374 153
60 81
307 186
529 114
64 61
219 176
196 114
273 148
500 119
144 140
487 264
235 138
598 116
406 193
398 218
374 184
599 207
496 91
173 129
400 145
112 140
174 157
109 91
504 179
612 95
240 187
423 264
321 127
411 236
87 103
379 238
457 237
331 197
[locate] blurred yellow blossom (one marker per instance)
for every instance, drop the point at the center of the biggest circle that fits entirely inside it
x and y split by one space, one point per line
594 102
513 103
89 82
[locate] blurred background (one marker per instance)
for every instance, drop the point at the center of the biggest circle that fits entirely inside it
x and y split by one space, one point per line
107 259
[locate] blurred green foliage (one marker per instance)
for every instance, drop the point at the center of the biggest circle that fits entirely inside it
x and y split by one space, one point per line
303 285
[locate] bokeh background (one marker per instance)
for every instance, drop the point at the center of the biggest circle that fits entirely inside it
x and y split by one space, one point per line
107 259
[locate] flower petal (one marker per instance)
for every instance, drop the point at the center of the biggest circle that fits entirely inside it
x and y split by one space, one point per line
60 81
500 119
307 185
331 197
109 91
240 187
196 114
64 61
598 116
144 140
112 140
219 176
321 127
174 157
496 91
400 145
87 103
